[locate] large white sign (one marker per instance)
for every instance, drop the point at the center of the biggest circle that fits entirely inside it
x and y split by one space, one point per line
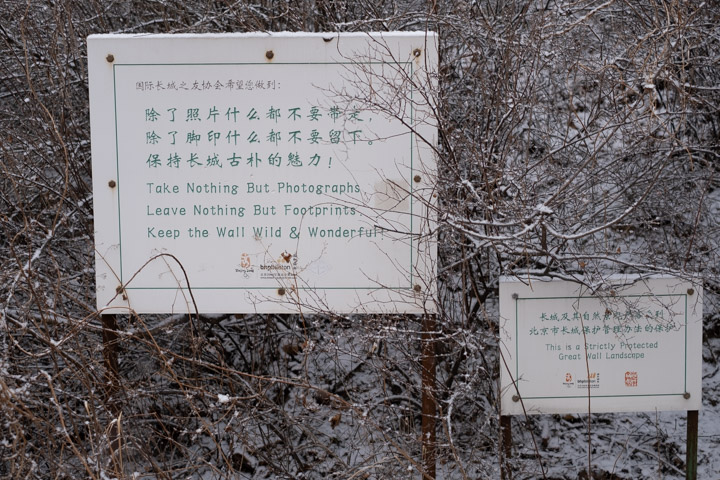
635 346
263 172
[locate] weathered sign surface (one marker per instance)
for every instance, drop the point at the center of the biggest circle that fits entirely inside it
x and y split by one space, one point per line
635 346
263 172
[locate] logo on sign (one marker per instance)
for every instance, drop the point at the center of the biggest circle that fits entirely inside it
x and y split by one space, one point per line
593 381
245 266
631 379
245 260
284 267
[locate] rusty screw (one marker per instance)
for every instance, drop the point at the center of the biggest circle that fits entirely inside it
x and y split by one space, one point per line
515 398
110 58
281 291
269 54
112 184
417 178
417 288
417 52
690 291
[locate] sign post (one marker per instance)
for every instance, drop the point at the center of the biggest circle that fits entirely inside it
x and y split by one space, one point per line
692 445
110 339
505 446
429 398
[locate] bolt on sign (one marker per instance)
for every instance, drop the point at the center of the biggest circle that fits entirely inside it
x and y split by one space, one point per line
634 345
264 172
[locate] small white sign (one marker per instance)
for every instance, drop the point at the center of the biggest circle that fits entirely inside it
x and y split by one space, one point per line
635 346
263 172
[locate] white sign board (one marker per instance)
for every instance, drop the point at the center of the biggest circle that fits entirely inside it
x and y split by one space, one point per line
636 346
263 172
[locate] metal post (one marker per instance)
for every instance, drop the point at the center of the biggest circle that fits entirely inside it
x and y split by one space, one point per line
505 446
111 385
692 445
428 397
